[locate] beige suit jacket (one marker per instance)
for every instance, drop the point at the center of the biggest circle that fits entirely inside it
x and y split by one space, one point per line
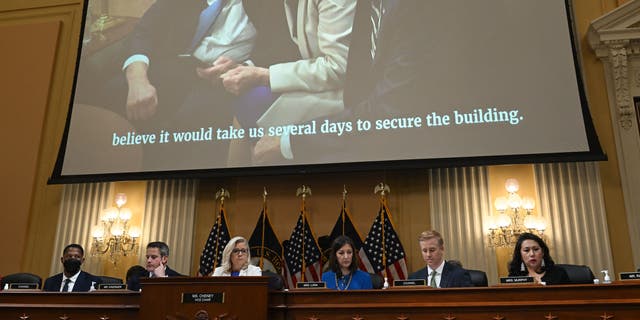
312 87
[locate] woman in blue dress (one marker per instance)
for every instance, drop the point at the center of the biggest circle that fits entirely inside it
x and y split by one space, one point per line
343 271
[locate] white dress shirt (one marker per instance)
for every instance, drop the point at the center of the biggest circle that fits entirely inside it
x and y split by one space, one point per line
231 35
438 274
73 279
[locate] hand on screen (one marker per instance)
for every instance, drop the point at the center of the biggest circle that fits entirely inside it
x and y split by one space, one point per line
219 67
267 150
243 78
142 99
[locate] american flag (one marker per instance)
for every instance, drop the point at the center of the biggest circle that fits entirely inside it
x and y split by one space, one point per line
218 239
371 253
293 253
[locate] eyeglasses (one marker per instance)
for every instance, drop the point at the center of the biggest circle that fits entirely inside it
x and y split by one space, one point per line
238 251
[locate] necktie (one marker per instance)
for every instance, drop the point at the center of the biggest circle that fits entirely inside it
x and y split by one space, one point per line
433 279
207 17
65 288
377 11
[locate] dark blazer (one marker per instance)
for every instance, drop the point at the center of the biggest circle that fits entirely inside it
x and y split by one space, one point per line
452 276
166 28
553 275
83 283
133 283
387 86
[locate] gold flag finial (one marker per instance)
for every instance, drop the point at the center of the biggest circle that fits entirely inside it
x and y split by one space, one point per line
303 191
264 194
382 188
344 192
222 194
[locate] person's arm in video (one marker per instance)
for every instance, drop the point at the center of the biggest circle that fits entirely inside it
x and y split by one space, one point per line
142 98
229 44
231 35
323 65
389 87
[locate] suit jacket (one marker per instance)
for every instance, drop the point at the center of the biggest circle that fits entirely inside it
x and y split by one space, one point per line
134 282
312 87
83 283
387 86
166 29
452 276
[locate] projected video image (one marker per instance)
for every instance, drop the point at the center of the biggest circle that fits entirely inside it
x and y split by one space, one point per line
171 85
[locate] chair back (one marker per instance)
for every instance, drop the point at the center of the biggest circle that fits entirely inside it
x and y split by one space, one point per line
22 277
376 281
578 274
478 278
275 280
110 280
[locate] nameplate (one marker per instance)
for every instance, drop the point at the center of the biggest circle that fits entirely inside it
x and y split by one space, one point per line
204 297
410 283
311 285
629 276
22 286
112 286
516 280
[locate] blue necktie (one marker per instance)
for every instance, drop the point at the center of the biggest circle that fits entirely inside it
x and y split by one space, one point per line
207 18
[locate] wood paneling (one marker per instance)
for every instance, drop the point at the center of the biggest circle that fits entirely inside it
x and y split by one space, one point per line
569 302
47 63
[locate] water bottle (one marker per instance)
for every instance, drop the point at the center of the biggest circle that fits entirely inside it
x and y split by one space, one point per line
606 279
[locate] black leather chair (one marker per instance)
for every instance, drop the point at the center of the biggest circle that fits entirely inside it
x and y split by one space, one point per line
478 278
110 280
578 274
275 280
21 277
376 281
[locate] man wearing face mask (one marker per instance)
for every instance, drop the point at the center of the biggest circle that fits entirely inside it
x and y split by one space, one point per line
72 279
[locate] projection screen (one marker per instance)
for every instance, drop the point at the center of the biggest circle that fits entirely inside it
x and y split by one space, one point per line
241 87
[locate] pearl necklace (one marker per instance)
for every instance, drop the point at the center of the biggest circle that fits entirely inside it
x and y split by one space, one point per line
346 287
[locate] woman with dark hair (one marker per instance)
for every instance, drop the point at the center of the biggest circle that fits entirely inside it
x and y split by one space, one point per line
343 271
531 258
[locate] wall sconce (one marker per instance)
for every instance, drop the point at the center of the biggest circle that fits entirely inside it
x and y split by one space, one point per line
113 235
514 217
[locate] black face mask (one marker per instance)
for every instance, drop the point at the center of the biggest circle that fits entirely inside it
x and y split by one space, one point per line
71 266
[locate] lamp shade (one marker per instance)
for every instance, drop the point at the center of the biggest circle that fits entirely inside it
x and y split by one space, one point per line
512 185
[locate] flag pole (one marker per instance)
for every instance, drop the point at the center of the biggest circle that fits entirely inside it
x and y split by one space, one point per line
303 191
344 206
264 221
220 195
383 189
